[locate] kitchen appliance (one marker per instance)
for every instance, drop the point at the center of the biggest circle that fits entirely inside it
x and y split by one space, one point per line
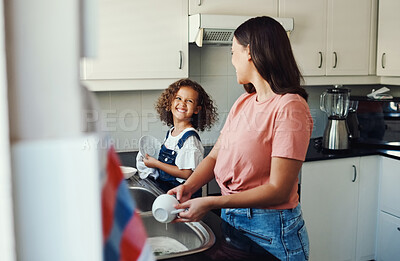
335 103
218 29
379 121
352 121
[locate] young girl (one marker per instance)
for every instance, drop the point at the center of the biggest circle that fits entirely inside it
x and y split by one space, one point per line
187 108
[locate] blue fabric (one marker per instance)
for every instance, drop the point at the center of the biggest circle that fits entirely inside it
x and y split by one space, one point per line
281 232
123 212
186 136
169 156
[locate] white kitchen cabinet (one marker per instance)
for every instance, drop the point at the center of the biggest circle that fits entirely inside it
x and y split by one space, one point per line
388 55
330 37
368 191
339 203
388 238
390 182
389 215
140 40
234 7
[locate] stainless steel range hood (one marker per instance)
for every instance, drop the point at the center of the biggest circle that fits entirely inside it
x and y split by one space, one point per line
218 29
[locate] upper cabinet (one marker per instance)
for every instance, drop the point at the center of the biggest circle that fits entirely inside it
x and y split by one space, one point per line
308 38
144 44
234 7
331 37
139 40
388 55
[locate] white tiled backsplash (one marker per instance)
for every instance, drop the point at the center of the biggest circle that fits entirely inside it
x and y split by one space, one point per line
128 115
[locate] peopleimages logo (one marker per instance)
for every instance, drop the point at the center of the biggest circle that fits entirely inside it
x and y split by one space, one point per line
114 120
265 121
125 144
124 128
105 143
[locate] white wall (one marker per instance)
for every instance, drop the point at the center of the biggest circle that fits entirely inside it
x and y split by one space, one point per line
7 239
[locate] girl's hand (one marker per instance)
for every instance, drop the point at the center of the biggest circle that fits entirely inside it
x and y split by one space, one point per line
196 209
181 192
150 162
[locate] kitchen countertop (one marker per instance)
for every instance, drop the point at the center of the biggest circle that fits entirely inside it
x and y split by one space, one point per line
315 151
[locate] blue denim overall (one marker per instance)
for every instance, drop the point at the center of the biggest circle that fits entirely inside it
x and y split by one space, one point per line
168 156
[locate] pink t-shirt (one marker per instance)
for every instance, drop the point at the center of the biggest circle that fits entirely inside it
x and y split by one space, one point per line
253 133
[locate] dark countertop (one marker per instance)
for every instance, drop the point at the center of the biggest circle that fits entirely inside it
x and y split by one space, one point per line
315 151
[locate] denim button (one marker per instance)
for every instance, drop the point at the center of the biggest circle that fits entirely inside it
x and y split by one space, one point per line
166 159
173 152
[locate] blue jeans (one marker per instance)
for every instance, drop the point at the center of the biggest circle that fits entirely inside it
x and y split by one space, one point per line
281 232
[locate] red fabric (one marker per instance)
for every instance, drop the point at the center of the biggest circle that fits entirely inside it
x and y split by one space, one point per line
124 236
133 239
109 193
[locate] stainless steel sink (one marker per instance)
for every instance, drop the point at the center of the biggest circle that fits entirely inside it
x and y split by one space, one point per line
173 239
143 198
191 237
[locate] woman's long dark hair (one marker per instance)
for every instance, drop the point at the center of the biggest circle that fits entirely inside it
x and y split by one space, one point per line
272 55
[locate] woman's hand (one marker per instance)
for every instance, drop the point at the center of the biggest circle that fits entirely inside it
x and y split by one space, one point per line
181 192
149 161
196 209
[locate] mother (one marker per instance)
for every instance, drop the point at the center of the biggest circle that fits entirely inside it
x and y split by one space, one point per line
261 148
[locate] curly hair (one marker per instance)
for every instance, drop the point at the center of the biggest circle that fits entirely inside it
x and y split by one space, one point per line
206 117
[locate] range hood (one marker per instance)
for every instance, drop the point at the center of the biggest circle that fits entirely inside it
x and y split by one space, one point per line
218 29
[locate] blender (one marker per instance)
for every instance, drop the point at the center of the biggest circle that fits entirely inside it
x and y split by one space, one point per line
335 103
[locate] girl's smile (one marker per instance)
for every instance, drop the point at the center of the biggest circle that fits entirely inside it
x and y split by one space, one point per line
181 110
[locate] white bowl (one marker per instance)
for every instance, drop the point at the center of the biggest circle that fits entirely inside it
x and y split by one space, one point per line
128 171
163 208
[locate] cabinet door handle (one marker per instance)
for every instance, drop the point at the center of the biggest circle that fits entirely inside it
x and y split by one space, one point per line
199 2
180 60
335 54
320 59
354 174
383 60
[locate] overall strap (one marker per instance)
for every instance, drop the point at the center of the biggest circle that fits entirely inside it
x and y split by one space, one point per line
186 136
